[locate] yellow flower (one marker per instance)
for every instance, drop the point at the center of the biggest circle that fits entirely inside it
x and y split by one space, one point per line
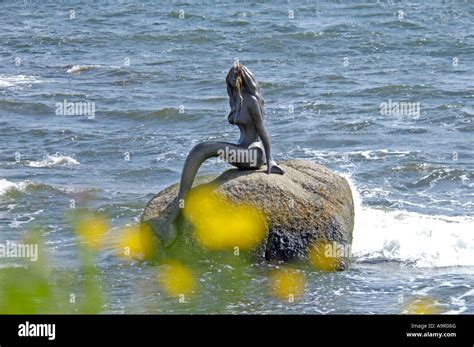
129 242
323 256
221 225
287 284
91 229
177 279
424 305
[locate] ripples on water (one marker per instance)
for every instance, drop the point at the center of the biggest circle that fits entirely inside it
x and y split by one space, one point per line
158 85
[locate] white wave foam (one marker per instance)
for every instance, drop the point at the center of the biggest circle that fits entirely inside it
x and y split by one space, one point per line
376 154
380 154
6 186
80 68
412 238
54 160
14 80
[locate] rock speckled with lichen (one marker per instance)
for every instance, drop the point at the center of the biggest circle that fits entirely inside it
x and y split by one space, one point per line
309 202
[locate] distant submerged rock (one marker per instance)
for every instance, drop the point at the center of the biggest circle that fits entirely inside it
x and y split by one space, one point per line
308 204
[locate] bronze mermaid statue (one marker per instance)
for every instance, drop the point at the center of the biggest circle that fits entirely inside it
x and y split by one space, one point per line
247 112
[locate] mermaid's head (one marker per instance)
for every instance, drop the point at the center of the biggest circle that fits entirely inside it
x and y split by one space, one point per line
241 80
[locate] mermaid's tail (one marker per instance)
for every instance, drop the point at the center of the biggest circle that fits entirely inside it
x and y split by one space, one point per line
165 230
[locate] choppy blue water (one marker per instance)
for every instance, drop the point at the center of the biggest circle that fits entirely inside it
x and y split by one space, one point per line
156 75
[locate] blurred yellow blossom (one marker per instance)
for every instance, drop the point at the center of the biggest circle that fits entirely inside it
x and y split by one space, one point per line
91 229
425 305
323 256
221 225
130 243
287 284
177 279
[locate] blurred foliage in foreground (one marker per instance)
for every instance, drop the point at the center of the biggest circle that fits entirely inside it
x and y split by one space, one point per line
224 236
31 288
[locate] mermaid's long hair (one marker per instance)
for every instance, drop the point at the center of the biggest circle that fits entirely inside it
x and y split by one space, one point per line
245 82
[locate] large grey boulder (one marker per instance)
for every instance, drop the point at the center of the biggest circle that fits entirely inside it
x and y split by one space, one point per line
309 202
